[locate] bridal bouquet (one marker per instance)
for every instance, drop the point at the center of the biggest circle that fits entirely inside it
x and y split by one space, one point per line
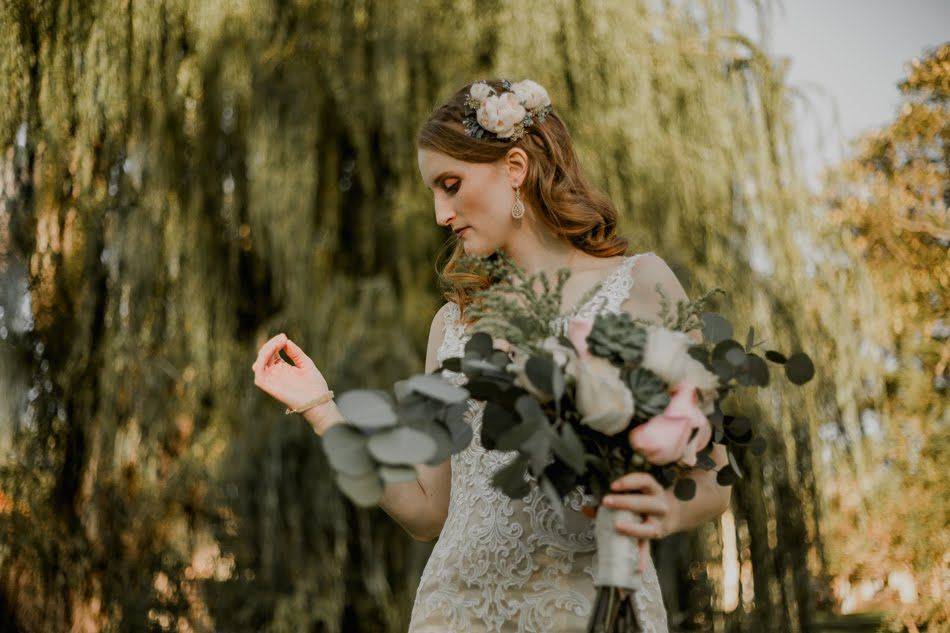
579 408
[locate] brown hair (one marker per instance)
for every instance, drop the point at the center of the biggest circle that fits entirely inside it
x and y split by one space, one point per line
554 186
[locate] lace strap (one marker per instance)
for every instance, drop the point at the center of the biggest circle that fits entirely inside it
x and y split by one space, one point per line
451 330
613 291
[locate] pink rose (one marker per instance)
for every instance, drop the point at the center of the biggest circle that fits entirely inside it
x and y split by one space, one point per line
577 330
665 438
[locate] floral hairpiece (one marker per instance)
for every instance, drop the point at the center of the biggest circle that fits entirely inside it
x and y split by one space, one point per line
505 115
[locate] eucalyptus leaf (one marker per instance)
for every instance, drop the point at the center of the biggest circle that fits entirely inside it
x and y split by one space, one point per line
776 357
367 408
685 488
539 370
402 445
569 448
479 344
715 327
364 490
511 479
726 476
799 368
397 474
345 448
438 388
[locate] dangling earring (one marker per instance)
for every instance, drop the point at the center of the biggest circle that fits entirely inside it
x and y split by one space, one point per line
517 210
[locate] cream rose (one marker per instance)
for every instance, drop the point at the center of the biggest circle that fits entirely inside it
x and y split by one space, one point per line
500 114
531 94
480 90
666 355
602 398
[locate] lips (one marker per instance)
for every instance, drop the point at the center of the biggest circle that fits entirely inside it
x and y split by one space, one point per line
461 230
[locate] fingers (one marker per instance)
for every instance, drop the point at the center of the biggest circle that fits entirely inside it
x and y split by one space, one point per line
296 354
268 350
649 528
644 546
637 481
641 504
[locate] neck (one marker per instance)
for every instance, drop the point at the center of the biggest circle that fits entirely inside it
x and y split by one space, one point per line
535 249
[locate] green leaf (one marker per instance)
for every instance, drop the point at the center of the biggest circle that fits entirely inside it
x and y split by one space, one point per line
367 408
685 488
402 445
364 490
799 368
397 474
438 388
540 371
570 449
511 479
480 345
345 448
716 327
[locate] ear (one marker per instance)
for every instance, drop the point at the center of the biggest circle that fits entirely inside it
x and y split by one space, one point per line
516 165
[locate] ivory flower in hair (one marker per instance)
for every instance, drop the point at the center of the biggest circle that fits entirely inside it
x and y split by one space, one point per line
531 94
500 114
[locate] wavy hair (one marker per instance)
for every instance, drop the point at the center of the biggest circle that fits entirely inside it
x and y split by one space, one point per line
555 187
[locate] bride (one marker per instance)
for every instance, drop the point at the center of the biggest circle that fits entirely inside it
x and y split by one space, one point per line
504 175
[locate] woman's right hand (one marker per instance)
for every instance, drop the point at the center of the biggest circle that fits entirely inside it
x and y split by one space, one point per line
296 384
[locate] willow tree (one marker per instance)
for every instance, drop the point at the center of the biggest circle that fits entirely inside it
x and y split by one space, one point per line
887 219
183 179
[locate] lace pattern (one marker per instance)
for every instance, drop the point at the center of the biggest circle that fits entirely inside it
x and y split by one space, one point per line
505 564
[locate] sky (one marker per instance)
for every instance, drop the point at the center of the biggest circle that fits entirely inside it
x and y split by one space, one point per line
850 53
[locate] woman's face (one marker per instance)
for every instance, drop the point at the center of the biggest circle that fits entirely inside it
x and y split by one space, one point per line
474 195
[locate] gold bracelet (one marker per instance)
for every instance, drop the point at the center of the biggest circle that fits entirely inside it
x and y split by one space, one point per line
320 400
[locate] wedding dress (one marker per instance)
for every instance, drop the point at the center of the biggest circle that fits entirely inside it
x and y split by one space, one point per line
512 565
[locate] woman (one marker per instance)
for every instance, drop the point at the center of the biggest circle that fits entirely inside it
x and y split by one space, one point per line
504 175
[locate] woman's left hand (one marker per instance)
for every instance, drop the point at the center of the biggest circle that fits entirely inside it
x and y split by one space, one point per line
650 500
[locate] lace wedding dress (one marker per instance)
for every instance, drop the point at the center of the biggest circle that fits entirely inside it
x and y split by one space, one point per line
512 565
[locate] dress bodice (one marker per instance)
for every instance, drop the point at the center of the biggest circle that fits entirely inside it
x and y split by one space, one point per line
504 564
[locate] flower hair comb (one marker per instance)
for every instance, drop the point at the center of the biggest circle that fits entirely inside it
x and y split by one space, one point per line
505 115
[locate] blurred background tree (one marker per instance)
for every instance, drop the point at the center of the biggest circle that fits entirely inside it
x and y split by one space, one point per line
183 179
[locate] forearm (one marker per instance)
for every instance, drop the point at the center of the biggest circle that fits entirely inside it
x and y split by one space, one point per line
407 503
710 501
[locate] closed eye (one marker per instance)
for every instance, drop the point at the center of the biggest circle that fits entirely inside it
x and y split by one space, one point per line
453 189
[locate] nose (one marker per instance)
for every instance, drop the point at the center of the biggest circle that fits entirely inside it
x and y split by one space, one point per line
444 214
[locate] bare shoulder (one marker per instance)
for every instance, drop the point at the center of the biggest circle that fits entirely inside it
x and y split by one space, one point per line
644 302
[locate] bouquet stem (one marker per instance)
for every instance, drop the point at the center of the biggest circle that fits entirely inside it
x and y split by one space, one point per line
618 577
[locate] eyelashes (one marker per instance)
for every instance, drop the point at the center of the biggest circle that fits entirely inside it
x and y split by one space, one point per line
451 189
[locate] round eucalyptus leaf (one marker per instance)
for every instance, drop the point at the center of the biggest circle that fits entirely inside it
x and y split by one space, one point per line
715 327
757 369
397 474
735 356
722 348
437 388
402 390
726 476
480 344
367 408
345 448
799 368
401 445
685 488
540 370
364 490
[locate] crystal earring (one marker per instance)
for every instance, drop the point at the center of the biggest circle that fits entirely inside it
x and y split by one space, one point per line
517 210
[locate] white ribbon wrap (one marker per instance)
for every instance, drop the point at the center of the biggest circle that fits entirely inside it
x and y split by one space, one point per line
618 556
